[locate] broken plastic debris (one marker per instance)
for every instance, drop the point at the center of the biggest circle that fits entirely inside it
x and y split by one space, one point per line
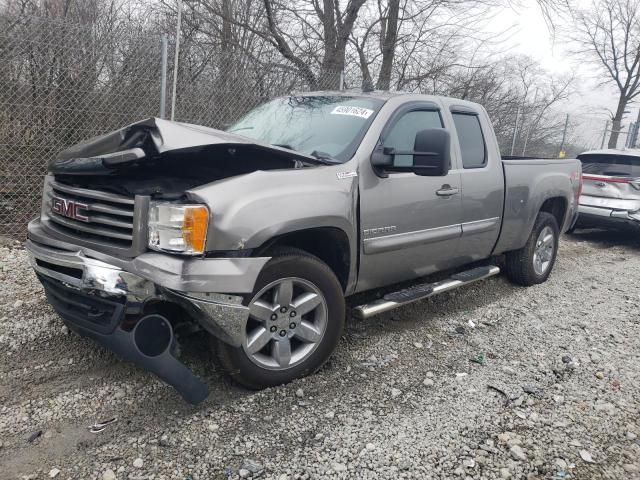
34 435
100 426
586 456
480 359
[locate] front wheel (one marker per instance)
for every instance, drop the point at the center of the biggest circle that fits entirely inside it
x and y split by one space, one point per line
296 316
533 263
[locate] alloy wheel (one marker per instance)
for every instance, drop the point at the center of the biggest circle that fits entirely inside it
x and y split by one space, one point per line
287 321
543 253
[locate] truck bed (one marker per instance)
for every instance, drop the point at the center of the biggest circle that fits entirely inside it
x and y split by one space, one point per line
528 183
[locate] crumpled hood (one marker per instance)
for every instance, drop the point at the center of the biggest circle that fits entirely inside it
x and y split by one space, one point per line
154 137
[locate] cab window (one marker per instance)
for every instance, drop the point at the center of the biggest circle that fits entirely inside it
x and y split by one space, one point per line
472 146
403 133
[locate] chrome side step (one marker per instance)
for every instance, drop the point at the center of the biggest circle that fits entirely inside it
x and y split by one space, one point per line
422 291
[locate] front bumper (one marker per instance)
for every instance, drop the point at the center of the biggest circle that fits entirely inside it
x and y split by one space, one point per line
210 289
105 298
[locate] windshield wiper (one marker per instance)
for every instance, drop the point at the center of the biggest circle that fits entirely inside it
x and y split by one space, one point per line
283 145
239 129
324 156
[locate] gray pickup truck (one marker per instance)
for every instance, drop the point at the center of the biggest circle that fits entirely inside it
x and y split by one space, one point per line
255 235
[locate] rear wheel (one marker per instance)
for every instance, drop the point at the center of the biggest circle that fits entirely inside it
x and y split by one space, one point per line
533 263
296 316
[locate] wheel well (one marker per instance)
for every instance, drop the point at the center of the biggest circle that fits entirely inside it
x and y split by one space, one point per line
331 245
557 207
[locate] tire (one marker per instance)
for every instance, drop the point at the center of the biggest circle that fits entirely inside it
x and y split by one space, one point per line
521 266
268 367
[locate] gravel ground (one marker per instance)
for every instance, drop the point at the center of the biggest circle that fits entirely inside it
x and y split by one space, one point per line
493 381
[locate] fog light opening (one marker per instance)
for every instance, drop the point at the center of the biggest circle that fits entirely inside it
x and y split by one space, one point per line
153 335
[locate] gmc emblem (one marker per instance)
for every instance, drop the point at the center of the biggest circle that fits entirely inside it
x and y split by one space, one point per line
69 208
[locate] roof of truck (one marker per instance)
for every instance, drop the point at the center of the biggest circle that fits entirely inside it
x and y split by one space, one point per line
385 95
382 94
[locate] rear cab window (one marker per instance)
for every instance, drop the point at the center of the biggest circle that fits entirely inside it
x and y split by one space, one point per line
471 138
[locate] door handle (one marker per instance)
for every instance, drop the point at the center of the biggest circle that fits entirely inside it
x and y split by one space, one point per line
447 191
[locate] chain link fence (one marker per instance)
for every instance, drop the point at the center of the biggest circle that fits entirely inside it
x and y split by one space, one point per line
627 135
61 83
217 91
594 133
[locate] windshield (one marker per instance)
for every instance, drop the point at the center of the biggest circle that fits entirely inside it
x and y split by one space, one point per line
328 127
611 165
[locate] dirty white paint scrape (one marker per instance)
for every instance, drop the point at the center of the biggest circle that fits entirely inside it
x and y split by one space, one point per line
352 111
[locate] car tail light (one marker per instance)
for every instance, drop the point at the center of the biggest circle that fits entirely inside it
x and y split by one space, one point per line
580 185
577 176
599 178
634 182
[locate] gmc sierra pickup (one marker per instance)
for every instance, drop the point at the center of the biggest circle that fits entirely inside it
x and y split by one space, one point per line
256 234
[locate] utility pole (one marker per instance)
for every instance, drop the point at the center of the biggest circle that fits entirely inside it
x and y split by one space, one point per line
635 133
561 154
531 126
604 135
175 63
515 132
163 78
632 135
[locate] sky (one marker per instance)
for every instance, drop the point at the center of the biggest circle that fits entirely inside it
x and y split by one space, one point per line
529 34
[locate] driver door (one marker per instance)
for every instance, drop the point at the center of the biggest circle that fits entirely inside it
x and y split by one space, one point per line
411 224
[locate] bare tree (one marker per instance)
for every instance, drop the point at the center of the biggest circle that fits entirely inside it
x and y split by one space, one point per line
509 85
312 35
405 41
551 9
609 35
388 39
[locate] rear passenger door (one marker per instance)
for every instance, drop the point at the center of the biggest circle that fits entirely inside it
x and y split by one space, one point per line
482 182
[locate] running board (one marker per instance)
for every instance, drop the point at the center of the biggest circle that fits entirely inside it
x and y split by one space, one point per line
422 291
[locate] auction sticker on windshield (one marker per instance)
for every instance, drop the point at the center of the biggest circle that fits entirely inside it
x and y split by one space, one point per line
353 111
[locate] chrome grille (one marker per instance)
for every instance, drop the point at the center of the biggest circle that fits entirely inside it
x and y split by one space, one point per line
106 221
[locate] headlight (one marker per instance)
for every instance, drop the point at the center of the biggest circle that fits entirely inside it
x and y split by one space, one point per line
178 228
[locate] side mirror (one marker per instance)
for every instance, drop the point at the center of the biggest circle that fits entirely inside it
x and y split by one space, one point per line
432 152
431 155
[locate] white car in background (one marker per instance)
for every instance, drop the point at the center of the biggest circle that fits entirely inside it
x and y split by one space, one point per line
610 195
